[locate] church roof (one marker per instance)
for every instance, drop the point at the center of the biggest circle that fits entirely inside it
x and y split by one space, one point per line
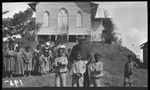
33 5
144 45
94 7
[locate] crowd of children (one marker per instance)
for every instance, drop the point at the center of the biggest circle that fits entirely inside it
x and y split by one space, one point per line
56 59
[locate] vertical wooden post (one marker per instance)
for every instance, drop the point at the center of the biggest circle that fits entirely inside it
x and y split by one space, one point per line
55 37
76 38
36 37
49 38
67 37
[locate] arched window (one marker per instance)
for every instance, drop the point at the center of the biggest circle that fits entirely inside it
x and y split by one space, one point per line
63 21
79 19
46 19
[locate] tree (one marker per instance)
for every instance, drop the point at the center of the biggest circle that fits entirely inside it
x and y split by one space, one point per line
21 23
108 35
6 26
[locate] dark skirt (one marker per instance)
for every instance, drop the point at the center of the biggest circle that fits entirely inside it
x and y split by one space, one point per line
86 78
8 64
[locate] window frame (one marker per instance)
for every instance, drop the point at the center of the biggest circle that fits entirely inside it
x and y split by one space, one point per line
79 13
67 16
48 16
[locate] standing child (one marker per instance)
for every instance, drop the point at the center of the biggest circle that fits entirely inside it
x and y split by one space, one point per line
78 70
28 61
36 56
41 68
68 57
61 70
128 70
96 70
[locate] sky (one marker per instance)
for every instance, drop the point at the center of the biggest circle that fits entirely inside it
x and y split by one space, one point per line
130 19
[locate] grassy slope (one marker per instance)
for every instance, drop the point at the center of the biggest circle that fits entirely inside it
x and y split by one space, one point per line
114 58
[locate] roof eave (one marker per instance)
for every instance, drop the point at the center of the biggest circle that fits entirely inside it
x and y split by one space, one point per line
32 5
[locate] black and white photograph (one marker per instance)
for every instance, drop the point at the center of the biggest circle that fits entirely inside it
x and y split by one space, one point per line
75 44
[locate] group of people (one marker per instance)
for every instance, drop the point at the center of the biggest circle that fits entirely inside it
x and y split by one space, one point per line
76 62
79 65
22 61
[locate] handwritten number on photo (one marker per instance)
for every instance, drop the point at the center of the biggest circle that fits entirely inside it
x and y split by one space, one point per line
14 83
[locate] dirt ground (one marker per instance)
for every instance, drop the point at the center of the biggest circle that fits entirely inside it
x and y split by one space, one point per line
35 81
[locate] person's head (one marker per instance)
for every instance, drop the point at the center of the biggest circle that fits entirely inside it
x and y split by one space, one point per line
47 44
60 52
5 47
38 47
44 54
81 39
97 57
56 43
69 50
17 49
78 56
130 58
27 48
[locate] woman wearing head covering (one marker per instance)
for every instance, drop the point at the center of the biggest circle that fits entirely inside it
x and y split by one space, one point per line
9 61
43 64
35 63
19 64
46 51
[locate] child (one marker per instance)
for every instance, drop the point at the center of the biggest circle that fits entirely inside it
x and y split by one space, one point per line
96 70
78 70
128 70
28 61
61 70
42 61
68 57
36 56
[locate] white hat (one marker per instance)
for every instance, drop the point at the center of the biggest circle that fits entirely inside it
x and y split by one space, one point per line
17 45
47 43
62 46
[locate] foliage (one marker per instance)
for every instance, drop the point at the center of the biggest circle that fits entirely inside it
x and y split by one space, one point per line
21 23
108 34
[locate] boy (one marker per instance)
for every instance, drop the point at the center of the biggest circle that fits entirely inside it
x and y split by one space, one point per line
28 60
128 70
78 70
68 57
61 70
96 70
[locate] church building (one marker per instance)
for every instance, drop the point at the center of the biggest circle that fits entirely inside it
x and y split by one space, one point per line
66 20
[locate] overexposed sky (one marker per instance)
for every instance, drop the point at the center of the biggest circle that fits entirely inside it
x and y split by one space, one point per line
131 20
13 8
129 17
